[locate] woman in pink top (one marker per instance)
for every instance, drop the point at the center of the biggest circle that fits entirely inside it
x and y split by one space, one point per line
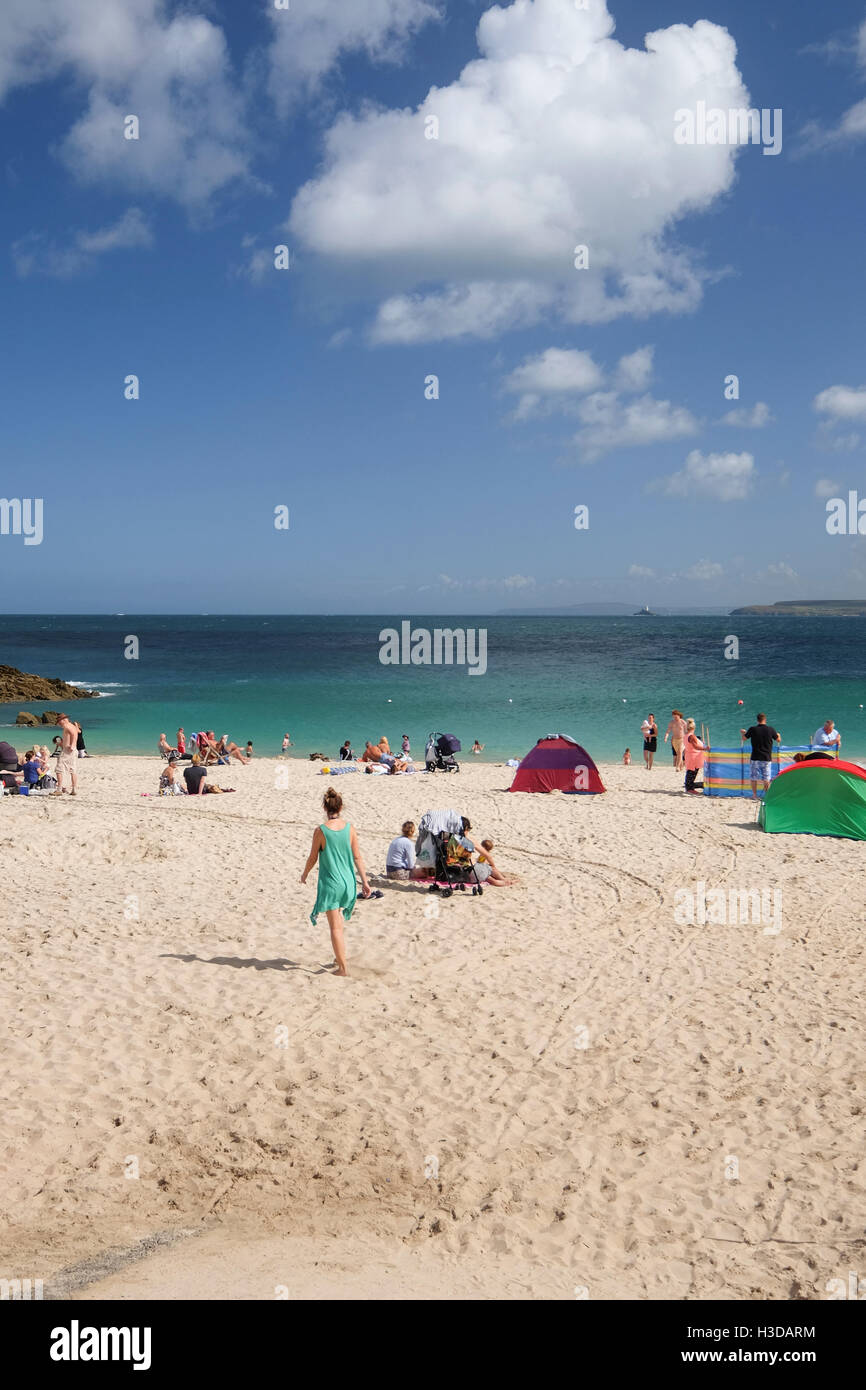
694 756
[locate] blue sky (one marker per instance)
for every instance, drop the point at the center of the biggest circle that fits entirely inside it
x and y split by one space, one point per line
414 257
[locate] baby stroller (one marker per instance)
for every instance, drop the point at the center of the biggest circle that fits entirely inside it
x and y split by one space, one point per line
437 849
439 753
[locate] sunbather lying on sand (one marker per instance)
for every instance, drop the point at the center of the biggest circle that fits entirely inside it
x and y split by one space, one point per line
390 763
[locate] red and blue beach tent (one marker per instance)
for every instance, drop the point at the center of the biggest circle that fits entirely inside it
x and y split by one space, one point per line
558 764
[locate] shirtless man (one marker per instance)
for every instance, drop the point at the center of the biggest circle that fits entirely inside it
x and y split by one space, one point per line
371 754
67 762
676 731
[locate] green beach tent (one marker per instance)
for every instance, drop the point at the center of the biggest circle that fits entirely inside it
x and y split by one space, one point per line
817 798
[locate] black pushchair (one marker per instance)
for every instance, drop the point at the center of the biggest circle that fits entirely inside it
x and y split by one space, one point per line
439 753
437 846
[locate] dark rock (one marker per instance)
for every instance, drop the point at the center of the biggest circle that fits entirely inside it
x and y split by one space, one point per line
19 685
52 717
31 720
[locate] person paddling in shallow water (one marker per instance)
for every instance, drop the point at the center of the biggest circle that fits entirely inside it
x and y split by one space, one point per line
335 847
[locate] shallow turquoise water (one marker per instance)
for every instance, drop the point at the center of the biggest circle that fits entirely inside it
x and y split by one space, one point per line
321 679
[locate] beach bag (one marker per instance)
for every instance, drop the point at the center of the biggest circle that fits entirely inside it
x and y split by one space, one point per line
425 851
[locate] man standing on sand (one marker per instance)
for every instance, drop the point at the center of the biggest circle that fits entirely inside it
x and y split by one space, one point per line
650 730
762 737
68 758
676 730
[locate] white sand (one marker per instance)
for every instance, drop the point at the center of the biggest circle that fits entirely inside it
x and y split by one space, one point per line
602 1165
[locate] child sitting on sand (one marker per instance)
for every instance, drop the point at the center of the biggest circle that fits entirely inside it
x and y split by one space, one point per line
485 869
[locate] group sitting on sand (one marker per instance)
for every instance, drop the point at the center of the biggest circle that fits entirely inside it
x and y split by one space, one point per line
32 772
194 781
380 753
401 862
206 745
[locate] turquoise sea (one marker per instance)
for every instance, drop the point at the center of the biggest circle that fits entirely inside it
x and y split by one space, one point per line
321 679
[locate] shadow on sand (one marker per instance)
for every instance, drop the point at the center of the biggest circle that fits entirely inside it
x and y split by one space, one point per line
238 963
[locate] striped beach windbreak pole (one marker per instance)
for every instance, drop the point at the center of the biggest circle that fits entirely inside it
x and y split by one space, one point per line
742 766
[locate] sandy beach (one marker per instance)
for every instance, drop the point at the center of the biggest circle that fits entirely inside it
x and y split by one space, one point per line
558 1090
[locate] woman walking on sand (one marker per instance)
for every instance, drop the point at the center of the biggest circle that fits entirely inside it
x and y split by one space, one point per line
335 846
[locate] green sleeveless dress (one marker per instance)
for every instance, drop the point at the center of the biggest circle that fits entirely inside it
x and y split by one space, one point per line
338 888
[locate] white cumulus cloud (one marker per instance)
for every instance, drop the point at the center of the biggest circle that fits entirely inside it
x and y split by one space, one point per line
725 477
555 136
635 370
173 73
780 571
36 253
703 571
825 487
851 125
312 36
607 423
557 379
510 583
842 402
554 377
754 419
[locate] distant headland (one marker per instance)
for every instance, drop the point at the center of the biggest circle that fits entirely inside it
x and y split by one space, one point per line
806 608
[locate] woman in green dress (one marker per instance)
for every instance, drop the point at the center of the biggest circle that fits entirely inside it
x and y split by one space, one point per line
335 846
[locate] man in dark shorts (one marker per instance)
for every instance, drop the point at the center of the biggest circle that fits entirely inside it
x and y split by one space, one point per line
194 776
762 736
650 730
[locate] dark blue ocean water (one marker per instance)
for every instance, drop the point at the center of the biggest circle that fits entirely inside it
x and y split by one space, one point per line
321 679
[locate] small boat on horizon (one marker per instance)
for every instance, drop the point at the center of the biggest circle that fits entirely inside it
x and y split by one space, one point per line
644 613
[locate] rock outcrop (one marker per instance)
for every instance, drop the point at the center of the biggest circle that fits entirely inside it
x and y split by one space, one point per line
19 685
31 720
